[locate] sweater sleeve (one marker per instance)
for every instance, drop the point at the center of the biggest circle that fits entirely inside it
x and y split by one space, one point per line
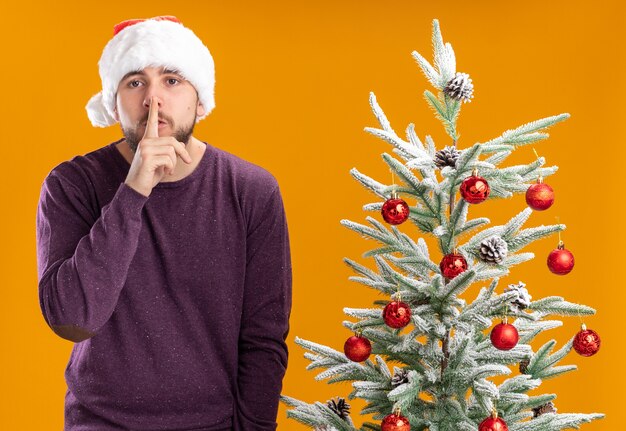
263 352
83 259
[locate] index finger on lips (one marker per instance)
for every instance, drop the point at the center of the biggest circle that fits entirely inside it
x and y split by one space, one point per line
152 126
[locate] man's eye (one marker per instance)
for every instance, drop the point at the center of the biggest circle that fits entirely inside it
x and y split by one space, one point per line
134 84
172 81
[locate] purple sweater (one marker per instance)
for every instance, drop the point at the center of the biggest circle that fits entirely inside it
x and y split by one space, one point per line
188 293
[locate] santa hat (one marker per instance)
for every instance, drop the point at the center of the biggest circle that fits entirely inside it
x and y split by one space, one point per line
160 41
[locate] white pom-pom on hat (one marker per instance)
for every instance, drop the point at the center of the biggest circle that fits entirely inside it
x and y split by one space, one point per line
155 42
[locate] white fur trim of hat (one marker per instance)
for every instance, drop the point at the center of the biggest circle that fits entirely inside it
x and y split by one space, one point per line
154 42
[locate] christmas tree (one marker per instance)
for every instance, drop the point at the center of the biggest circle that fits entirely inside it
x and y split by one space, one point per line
445 350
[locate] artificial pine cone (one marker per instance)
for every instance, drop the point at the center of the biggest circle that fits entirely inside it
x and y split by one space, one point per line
493 249
523 299
460 87
400 376
447 157
340 407
546 408
523 366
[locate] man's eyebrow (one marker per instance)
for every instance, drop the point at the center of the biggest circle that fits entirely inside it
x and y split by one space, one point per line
173 71
131 73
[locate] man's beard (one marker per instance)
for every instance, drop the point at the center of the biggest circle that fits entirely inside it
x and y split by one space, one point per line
181 134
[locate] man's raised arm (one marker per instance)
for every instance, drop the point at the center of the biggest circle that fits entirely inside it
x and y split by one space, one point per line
82 263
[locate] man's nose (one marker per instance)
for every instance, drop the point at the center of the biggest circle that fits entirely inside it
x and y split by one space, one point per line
152 91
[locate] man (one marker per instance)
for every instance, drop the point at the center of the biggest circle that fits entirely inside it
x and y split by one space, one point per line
166 260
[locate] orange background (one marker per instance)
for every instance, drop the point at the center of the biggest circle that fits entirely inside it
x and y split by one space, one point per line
292 96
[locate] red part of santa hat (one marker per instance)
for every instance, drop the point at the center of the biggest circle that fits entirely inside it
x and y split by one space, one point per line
122 25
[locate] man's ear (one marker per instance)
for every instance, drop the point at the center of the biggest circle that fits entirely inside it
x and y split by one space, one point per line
200 111
116 115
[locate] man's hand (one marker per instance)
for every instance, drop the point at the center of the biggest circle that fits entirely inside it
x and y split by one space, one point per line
155 156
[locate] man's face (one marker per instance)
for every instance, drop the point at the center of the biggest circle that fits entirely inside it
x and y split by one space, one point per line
177 98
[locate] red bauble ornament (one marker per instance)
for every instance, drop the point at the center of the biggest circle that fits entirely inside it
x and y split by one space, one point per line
540 196
395 422
494 423
397 314
475 189
587 342
561 260
357 348
504 336
452 265
395 210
